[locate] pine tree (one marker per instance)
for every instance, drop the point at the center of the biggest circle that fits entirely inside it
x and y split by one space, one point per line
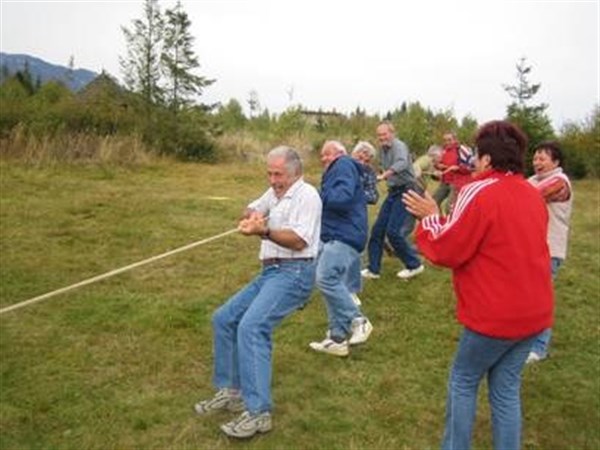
142 65
179 61
69 76
532 119
25 78
523 91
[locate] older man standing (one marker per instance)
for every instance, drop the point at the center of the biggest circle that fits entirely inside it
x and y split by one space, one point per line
454 167
343 236
393 219
287 218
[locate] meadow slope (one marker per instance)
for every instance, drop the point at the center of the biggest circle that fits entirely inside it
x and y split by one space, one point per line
118 364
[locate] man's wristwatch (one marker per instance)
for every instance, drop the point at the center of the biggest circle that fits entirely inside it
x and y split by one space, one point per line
266 234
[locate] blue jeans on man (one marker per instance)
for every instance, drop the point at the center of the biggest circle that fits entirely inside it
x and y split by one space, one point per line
354 278
502 360
336 268
244 325
542 342
397 223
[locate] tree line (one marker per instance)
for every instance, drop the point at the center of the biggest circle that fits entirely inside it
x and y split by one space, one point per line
160 101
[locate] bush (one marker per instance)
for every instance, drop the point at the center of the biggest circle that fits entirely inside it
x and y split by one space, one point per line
185 135
581 145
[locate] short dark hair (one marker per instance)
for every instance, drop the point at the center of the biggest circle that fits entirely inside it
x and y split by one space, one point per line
553 149
505 143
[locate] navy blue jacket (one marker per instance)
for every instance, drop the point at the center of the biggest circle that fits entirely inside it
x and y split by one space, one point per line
344 204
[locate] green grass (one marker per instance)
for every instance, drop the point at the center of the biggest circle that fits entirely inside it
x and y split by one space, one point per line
119 364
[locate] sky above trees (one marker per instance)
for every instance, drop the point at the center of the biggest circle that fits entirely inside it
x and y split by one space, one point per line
346 54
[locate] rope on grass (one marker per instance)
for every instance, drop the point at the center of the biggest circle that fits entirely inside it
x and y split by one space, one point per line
114 272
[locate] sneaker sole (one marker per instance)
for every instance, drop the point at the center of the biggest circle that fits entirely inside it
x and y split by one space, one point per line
410 276
231 433
370 275
235 406
319 349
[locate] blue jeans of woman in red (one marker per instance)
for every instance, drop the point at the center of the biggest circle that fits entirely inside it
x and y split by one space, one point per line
502 361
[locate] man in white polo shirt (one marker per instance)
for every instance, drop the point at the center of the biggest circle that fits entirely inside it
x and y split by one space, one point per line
287 218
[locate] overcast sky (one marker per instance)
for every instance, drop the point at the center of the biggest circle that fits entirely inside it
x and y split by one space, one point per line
342 54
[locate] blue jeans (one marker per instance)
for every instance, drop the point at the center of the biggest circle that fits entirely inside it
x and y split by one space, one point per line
502 360
335 268
354 277
542 342
244 325
397 223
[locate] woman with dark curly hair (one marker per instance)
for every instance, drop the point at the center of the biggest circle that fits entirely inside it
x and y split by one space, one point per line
495 243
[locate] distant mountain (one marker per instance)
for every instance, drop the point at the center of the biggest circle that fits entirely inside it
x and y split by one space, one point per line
75 79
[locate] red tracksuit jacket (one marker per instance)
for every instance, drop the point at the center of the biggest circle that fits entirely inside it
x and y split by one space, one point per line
451 157
495 243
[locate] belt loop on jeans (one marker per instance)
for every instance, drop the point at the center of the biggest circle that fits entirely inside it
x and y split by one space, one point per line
274 261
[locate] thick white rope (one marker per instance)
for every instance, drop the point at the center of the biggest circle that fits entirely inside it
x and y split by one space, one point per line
115 272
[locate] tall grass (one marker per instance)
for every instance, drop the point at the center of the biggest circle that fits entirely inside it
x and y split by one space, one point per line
74 148
247 147
25 147
119 364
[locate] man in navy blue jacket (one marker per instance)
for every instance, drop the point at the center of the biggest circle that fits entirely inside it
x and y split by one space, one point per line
344 230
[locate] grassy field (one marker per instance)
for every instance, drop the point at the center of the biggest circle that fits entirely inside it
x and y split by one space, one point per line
119 364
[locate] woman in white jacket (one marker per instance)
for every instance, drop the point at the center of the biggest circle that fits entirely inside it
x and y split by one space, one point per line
555 187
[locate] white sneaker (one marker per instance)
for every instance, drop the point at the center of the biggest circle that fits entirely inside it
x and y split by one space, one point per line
533 357
225 399
366 273
409 273
355 299
247 425
361 330
328 345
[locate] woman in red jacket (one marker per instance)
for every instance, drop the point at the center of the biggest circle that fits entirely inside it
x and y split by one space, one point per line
495 243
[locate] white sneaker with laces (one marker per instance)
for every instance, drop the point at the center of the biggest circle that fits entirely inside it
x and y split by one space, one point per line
361 330
355 299
409 273
328 345
225 399
366 273
247 425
